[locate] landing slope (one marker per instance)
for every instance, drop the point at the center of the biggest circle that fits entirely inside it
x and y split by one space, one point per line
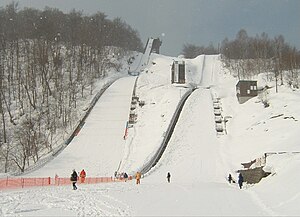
194 143
99 146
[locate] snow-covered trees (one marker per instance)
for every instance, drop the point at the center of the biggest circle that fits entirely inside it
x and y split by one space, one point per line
191 51
250 56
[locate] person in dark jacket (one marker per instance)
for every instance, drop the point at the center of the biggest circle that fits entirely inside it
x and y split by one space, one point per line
125 177
241 180
169 177
229 178
74 178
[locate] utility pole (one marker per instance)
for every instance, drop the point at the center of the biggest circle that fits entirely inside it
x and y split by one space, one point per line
276 75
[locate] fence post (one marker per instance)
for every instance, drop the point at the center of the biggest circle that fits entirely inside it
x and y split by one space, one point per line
49 180
22 182
6 181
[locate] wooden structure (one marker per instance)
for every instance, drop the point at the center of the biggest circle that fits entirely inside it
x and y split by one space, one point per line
178 72
245 90
218 116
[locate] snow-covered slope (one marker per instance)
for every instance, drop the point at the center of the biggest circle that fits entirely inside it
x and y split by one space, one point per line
99 146
198 160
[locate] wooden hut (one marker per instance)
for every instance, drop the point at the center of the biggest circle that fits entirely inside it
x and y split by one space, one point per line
245 90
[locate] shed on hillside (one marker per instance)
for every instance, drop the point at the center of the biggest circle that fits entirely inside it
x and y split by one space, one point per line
245 90
178 72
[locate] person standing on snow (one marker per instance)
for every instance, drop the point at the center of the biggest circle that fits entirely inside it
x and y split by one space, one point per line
125 176
73 179
169 177
240 180
229 178
82 176
138 177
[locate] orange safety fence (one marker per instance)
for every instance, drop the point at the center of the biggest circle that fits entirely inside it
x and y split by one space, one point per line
10 183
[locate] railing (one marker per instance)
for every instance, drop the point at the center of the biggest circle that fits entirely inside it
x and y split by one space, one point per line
12 183
262 161
267 154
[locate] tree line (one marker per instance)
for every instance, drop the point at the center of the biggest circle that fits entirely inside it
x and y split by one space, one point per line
49 63
249 56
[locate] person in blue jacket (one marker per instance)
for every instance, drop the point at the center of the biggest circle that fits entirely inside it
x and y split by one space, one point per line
241 180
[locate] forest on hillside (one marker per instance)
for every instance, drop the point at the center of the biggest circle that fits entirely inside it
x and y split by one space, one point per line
247 56
49 63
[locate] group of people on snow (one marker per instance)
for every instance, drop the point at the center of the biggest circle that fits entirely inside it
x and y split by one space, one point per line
121 176
240 180
138 176
82 175
74 178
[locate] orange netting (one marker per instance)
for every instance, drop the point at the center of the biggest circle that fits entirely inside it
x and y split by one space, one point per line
9 182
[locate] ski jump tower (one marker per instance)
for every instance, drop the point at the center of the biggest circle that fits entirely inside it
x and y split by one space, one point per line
152 45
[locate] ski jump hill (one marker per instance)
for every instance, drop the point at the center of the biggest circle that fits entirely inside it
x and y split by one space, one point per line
144 59
198 158
100 142
100 148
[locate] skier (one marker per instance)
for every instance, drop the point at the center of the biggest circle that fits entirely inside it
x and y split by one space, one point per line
73 179
82 176
168 177
240 180
138 177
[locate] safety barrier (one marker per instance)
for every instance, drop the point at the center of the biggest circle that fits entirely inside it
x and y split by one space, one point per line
11 183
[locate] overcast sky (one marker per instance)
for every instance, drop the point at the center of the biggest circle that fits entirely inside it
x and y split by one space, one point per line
197 22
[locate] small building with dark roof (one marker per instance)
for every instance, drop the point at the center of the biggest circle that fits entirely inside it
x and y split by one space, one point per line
245 90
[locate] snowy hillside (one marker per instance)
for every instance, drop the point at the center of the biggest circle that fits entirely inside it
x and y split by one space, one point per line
198 159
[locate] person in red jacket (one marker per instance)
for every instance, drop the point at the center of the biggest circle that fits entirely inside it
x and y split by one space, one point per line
82 176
